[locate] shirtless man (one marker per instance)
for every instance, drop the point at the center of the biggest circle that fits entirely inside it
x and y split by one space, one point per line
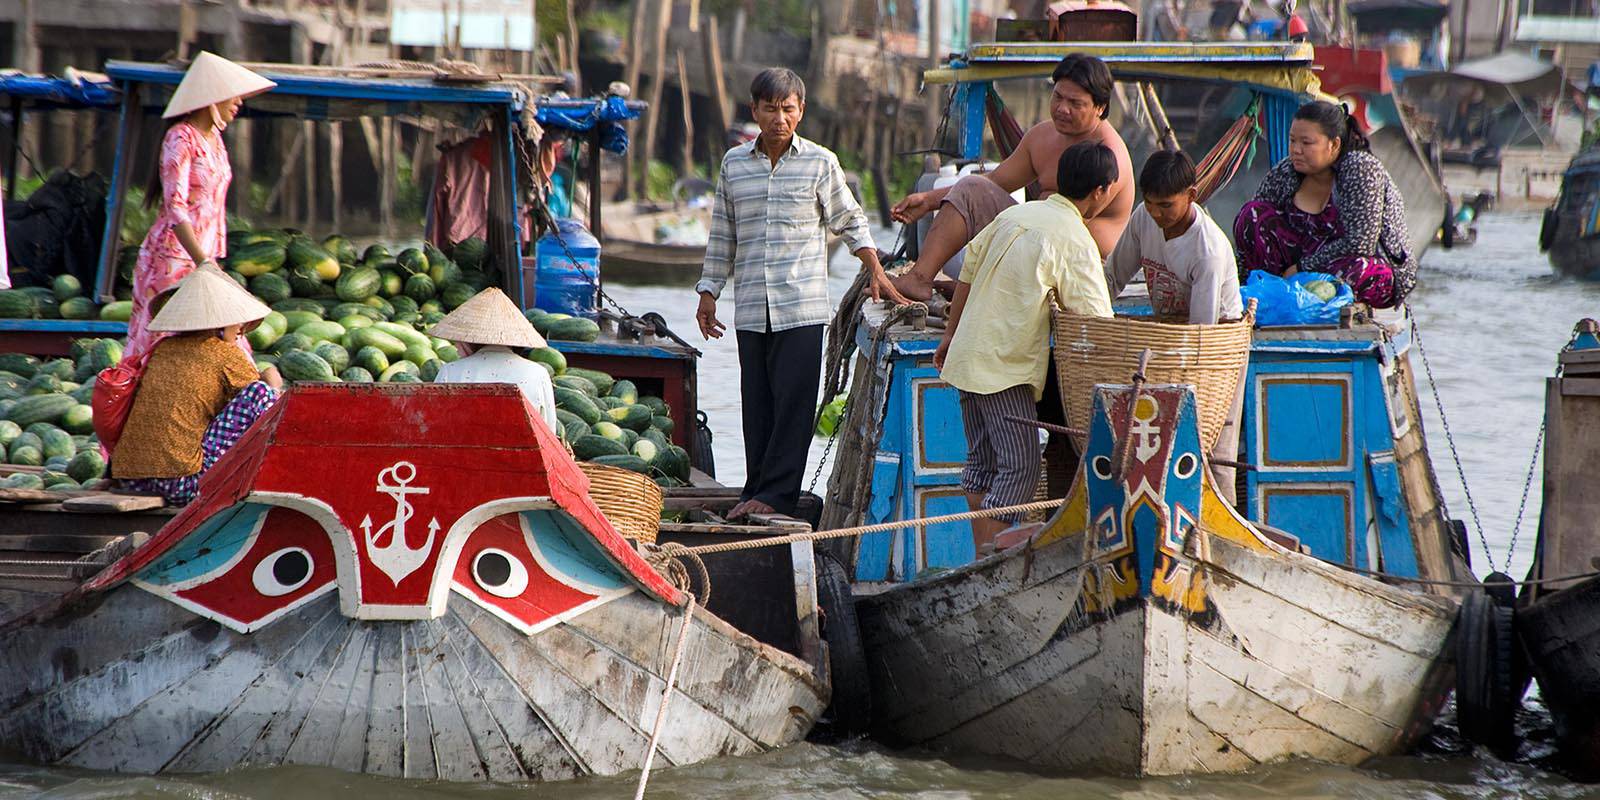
1078 108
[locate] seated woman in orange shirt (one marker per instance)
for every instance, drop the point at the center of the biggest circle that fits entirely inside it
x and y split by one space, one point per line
199 392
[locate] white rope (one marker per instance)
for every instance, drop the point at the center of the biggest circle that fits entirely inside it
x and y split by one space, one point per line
666 696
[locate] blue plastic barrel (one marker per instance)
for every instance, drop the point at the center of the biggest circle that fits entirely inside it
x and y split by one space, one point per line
568 264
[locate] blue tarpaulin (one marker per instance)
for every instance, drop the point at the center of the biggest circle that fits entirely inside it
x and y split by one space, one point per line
58 92
583 115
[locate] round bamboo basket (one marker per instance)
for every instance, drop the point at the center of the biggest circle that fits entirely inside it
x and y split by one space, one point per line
1105 350
632 502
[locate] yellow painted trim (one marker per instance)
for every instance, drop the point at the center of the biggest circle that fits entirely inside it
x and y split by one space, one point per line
1219 518
1072 518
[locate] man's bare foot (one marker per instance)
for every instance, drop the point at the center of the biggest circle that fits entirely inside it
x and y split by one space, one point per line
914 286
748 507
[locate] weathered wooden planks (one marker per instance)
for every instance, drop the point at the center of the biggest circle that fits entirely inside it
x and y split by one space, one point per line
1298 659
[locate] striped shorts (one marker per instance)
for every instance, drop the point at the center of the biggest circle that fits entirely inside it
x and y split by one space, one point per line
1002 456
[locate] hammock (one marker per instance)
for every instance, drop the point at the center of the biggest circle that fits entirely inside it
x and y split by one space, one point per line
1235 148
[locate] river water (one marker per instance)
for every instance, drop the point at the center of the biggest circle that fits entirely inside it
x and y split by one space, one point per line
1492 318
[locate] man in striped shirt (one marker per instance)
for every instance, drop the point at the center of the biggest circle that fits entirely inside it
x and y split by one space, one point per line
776 199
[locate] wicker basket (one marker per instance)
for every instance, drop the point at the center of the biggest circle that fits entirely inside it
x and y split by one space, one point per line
1100 350
631 501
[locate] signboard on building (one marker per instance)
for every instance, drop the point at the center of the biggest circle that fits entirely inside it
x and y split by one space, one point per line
467 24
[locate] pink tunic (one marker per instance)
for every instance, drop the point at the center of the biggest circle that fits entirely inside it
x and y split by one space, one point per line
194 188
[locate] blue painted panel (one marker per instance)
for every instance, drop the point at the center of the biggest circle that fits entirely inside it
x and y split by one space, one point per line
971 99
1306 422
78 326
942 439
949 544
212 546
1320 515
628 349
875 550
571 550
1396 549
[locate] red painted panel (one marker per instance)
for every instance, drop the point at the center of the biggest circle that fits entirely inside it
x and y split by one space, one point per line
546 595
238 594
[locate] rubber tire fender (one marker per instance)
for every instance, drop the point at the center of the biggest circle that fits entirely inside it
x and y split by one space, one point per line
1447 231
850 708
1486 681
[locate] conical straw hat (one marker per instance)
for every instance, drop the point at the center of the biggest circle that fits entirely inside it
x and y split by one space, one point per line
207 300
488 318
212 79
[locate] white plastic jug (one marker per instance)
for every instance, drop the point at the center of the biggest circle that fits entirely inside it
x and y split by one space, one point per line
947 175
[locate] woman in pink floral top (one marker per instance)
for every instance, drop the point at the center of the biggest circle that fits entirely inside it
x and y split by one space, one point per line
191 228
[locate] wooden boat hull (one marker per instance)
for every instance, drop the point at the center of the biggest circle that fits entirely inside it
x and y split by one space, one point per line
1154 640
133 683
1570 252
287 616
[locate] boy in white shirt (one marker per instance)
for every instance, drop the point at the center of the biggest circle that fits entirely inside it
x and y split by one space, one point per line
1188 261
1189 268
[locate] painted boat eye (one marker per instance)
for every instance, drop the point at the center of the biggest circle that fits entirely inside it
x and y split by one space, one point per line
499 573
1102 467
282 572
1186 465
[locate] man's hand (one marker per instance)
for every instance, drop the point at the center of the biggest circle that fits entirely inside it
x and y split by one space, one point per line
879 285
914 207
706 317
944 350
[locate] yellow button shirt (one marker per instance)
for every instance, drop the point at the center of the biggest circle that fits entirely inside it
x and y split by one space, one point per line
1003 336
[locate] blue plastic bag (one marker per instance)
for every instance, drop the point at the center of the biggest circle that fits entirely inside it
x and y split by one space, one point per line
1281 301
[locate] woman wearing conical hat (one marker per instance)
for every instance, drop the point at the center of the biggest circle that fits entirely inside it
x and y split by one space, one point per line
488 328
192 184
199 392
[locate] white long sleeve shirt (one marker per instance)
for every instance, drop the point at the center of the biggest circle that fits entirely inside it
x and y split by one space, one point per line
496 364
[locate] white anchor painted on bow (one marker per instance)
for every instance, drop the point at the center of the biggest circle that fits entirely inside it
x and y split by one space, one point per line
396 559
1144 428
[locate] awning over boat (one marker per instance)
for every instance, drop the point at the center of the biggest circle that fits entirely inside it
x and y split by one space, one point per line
1507 80
74 90
1277 66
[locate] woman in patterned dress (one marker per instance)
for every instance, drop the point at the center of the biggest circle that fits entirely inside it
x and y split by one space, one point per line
1329 207
191 227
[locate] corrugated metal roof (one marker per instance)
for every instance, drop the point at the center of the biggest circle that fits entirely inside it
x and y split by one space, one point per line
1567 30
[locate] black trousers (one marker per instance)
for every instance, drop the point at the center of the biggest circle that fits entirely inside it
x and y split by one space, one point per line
778 375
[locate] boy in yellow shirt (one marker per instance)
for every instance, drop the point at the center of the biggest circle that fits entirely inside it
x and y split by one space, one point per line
996 346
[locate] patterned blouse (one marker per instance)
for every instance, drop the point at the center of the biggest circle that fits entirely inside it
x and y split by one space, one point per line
1370 208
194 188
188 381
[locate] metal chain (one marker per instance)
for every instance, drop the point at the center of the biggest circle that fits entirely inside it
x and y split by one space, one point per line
1450 439
1527 486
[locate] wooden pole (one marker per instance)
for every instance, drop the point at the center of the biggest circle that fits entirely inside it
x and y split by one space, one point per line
386 184
719 86
635 55
572 42
930 99
310 178
688 117
653 113
336 172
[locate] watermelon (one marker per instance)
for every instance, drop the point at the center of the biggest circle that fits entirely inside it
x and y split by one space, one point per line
574 329
358 283
591 446
271 287
398 368
383 306
602 382
550 356
470 253
645 449
625 391
116 311
78 419
430 370
578 403
449 353
623 460
9 431
412 261
404 304
392 283
419 354
263 336
17 304
576 383
77 308
322 331
302 365
454 294
355 375
257 259
378 338
371 359
65 287
662 423
655 404
420 288
58 444
340 248
635 418
574 429
299 304
305 282
19 364
44 384
308 258
337 357
289 343
86 465
608 430
355 321
375 254
443 271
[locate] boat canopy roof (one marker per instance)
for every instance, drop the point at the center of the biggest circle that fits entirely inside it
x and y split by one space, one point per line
327 94
74 90
1273 66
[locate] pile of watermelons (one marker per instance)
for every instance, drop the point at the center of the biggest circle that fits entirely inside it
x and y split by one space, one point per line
45 420
62 299
606 421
